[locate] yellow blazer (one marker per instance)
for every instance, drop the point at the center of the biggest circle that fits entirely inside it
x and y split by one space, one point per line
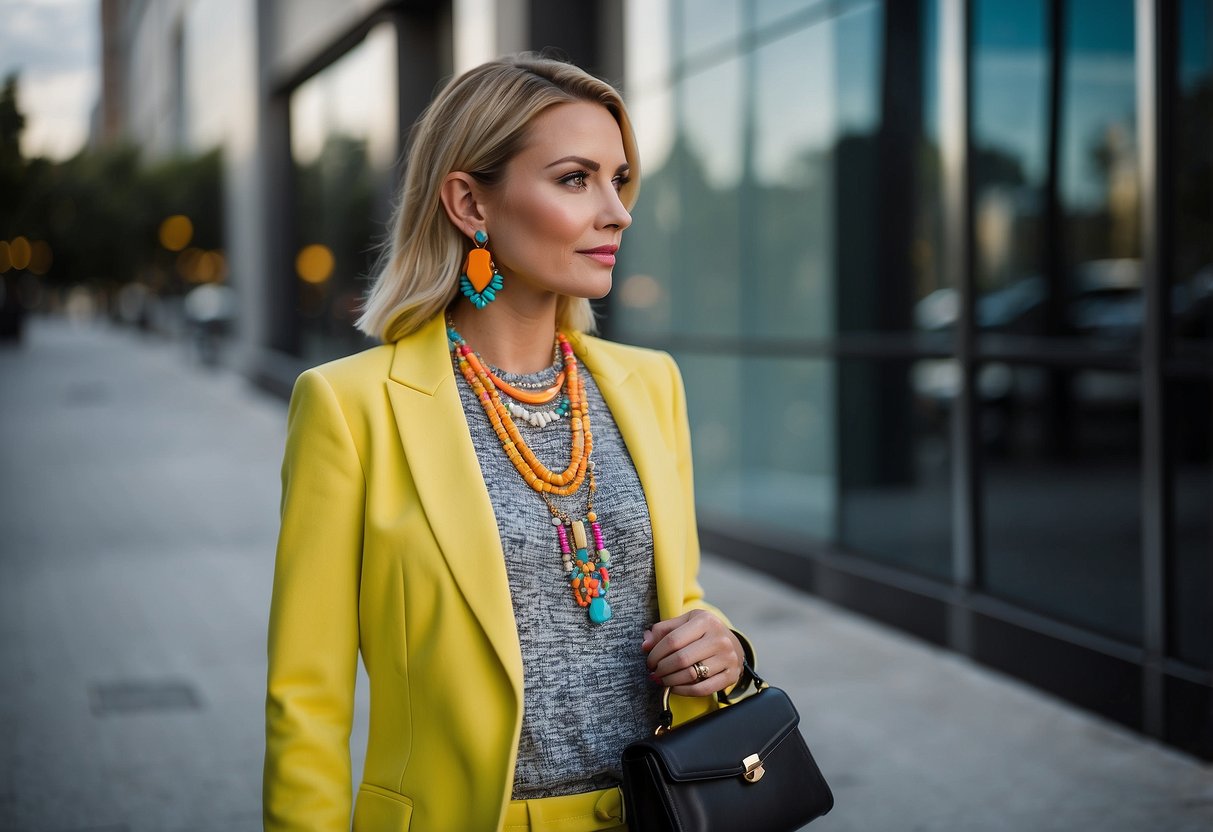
389 544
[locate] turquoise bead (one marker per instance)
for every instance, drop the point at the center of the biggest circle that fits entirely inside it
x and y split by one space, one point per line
600 610
481 237
583 555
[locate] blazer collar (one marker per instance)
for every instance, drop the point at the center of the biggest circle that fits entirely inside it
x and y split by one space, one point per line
438 446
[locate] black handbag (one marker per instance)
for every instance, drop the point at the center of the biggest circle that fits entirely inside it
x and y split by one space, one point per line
743 766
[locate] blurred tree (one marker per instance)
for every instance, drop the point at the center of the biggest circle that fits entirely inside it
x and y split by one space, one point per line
12 166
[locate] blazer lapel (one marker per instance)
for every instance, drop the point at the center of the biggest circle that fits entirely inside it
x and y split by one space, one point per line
442 459
637 417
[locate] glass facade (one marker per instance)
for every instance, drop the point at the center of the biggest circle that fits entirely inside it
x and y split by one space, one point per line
943 398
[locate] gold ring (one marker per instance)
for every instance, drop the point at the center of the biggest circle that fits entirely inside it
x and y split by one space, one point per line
701 671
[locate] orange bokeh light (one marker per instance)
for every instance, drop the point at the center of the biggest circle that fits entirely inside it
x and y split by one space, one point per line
176 232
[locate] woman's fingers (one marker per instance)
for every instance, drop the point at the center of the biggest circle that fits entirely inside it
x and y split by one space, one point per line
704 678
694 654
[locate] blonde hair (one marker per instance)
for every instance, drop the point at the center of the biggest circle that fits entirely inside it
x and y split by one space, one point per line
476 124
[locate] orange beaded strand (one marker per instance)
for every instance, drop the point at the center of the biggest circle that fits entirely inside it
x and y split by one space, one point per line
534 472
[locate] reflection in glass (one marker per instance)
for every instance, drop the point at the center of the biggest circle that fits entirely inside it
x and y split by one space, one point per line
707 276
1192 272
1061 469
642 300
767 12
1190 436
1099 174
935 300
707 26
343 143
646 48
894 465
761 430
1010 141
793 189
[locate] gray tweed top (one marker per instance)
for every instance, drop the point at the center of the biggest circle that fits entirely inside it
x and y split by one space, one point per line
587 689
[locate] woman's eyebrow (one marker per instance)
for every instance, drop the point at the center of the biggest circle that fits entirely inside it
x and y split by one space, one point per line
588 163
581 160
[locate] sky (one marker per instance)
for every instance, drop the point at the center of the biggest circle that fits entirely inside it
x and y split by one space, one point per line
53 45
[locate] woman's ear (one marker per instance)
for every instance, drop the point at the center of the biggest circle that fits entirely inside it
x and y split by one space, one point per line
459 199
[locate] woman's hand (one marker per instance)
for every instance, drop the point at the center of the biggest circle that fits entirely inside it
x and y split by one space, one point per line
677 645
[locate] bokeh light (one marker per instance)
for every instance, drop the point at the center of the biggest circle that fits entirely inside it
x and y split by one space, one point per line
211 267
41 257
314 263
176 232
19 253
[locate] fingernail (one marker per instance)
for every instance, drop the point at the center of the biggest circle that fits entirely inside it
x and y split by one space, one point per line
653 677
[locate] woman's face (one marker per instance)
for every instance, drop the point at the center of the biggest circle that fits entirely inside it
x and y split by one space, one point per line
556 220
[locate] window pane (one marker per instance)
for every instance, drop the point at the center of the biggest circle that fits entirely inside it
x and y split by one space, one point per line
763 433
1099 174
1192 289
894 463
767 12
707 26
1061 470
793 188
1010 164
705 276
646 48
343 143
936 306
641 302
1190 436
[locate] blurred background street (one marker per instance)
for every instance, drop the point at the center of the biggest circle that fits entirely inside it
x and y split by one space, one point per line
139 513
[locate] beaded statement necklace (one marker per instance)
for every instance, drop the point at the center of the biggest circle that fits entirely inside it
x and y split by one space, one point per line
585 558
536 396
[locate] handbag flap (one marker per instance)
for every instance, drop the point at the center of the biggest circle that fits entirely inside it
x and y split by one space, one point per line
714 745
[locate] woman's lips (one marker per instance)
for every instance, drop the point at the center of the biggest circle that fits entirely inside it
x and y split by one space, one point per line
603 254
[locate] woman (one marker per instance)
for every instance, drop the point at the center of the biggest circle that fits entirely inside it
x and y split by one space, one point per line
512 652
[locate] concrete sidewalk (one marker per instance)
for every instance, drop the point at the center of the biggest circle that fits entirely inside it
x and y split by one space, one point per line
138 514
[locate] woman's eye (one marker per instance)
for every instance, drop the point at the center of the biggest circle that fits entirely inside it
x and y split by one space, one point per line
620 181
577 180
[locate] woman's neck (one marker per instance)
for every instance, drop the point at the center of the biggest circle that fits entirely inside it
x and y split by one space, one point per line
513 340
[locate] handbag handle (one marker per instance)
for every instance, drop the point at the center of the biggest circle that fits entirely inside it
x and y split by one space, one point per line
748 676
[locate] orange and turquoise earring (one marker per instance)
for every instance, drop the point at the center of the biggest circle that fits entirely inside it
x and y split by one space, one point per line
480 281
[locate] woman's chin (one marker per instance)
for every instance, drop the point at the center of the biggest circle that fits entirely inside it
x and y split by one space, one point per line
595 289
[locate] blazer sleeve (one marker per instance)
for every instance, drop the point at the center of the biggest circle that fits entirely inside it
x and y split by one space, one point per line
313 626
692 596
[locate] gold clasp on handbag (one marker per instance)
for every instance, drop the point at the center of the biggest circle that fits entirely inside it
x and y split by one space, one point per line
753 769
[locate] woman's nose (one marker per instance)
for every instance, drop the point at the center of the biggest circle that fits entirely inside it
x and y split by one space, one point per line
614 214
